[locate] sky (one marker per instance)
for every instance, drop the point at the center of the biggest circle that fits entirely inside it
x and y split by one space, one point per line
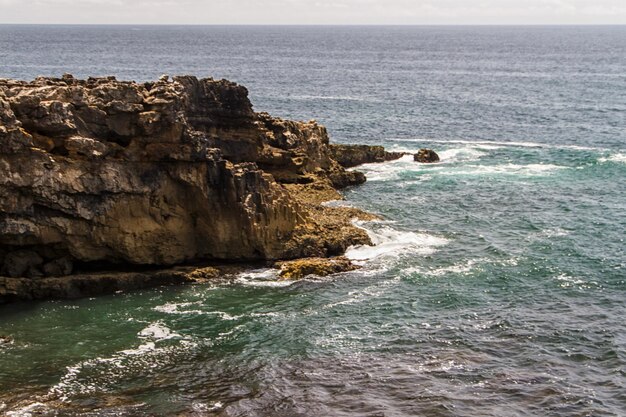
412 12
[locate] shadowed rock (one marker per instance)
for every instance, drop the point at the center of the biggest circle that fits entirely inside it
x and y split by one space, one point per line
426 156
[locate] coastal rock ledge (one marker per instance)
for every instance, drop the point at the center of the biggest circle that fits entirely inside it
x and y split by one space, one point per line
98 174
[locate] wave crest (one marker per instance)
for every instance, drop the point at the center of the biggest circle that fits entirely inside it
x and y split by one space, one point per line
390 242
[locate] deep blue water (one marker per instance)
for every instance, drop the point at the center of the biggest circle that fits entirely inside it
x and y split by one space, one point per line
497 286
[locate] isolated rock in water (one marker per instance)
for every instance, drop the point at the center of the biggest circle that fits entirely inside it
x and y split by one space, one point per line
104 172
300 268
352 155
426 156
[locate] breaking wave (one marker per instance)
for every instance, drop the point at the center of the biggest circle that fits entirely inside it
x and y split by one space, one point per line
618 157
389 242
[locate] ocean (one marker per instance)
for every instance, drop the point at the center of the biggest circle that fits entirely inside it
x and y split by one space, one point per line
497 286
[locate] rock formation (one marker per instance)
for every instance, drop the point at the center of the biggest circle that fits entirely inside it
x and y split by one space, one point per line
98 173
352 155
426 156
322 267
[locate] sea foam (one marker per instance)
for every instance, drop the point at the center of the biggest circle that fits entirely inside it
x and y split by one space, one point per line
464 154
506 169
30 410
96 374
267 277
390 171
618 157
492 144
391 242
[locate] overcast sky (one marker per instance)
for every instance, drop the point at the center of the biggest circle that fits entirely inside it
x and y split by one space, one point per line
315 11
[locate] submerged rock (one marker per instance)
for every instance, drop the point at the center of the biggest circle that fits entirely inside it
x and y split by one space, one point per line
101 173
426 156
300 268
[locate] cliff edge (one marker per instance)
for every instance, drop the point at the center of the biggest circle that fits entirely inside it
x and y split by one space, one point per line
99 172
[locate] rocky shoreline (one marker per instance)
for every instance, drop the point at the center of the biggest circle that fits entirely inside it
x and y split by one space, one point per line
104 175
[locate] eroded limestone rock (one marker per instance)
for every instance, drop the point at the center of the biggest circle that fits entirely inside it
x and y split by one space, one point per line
100 172
202 274
300 268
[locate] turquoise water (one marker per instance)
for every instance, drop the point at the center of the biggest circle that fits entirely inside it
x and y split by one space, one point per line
497 284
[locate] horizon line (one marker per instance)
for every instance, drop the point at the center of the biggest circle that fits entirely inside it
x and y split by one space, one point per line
319 24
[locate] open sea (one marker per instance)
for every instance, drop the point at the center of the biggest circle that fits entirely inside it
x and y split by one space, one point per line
497 286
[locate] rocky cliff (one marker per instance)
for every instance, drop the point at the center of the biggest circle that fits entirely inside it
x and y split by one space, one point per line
100 172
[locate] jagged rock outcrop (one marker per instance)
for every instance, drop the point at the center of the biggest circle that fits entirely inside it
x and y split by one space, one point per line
322 267
99 172
350 156
426 156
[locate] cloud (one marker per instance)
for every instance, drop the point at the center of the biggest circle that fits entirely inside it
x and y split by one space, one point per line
314 11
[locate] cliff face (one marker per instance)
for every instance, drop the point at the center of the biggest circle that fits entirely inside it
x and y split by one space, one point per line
100 171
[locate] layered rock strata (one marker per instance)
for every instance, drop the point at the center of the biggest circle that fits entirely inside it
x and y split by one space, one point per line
98 173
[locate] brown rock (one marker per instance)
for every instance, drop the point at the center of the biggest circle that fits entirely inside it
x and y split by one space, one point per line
21 263
352 155
110 172
426 156
58 267
43 142
300 268
201 274
79 146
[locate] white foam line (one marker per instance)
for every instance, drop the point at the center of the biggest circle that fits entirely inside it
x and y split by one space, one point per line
30 410
390 242
203 407
336 203
174 308
497 143
366 294
276 284
158 331
334 98
618 157
390 170
71 383
506 169
461 268
267 277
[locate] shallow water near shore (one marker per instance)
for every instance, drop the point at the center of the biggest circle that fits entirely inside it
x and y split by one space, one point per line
497 284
